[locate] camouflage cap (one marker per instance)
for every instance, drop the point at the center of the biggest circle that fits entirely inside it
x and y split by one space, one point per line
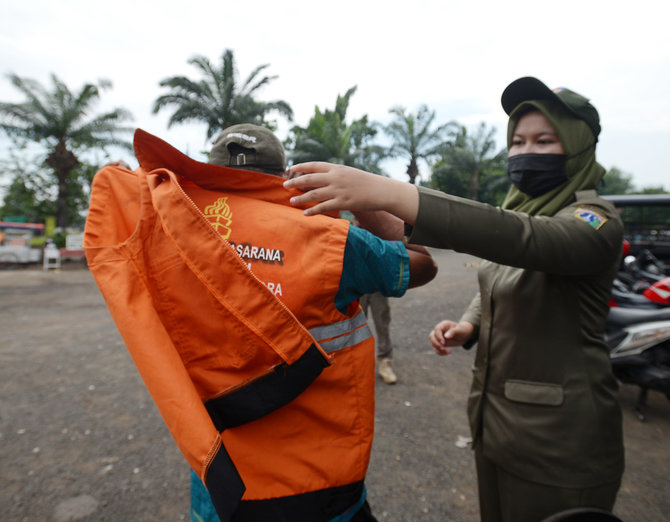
250 147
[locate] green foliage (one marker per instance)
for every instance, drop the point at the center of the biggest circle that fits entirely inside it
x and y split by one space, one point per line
58 121
328 137
494 186
32 194
653 190
616 181
21 199
413 137
470 167
218 99
27 194
59 239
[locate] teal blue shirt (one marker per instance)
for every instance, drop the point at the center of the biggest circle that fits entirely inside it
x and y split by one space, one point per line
371 265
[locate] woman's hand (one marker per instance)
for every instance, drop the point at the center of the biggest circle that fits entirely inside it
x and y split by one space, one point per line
338 187
450 333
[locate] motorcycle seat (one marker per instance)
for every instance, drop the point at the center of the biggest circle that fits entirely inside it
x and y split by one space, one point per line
626 316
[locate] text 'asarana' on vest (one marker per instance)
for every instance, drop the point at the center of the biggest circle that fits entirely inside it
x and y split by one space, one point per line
258 253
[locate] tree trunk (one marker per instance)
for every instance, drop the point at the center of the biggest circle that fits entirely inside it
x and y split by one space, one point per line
63 161
412 170
473 185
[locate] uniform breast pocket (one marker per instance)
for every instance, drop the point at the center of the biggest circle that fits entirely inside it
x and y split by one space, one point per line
529 392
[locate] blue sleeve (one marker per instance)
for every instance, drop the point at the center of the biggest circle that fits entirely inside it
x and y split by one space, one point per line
371 265
202 508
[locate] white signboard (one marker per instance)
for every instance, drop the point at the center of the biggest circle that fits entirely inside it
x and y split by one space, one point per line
74 241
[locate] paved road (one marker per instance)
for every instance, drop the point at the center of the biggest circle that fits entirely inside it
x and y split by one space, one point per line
80 438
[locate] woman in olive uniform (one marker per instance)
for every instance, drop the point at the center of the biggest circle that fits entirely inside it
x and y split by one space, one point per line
543 410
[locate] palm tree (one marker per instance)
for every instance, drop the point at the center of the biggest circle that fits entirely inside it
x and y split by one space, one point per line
218 99
469 162
414 138
328 137
59 120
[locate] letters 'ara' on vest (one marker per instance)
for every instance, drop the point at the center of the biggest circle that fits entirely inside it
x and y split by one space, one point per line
224 296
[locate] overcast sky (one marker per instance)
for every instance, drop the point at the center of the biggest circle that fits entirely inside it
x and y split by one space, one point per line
454 56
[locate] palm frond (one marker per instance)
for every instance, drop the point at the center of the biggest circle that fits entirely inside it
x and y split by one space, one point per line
217 98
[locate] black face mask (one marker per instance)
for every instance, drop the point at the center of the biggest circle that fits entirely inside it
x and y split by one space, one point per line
537 174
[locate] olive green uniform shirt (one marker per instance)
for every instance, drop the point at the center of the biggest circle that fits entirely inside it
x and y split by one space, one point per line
543 402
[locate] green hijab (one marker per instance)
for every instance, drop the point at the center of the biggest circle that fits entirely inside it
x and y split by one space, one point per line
582 169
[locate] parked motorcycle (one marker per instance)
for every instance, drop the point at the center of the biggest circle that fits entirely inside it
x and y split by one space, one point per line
639 341
654 296
641 271
642 282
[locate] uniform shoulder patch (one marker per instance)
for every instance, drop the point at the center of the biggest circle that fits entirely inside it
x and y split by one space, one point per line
590 216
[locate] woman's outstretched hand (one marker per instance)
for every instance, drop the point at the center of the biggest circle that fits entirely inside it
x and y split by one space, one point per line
338 187
450 333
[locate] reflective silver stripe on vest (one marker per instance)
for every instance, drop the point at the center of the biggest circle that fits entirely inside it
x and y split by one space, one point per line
342 334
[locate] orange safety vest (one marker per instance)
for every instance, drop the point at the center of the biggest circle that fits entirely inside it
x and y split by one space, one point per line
224 295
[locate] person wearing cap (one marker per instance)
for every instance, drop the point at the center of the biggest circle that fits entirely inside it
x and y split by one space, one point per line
368 264
543 410
249 147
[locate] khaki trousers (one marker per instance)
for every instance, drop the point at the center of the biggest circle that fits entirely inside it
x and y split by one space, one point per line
379 308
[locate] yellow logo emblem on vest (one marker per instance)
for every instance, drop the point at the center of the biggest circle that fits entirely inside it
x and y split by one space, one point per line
220 216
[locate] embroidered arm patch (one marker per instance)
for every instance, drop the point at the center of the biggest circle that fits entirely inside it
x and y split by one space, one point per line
591 217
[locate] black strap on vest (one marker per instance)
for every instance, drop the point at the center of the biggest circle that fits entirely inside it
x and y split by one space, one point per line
267 394
224 484
315 506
